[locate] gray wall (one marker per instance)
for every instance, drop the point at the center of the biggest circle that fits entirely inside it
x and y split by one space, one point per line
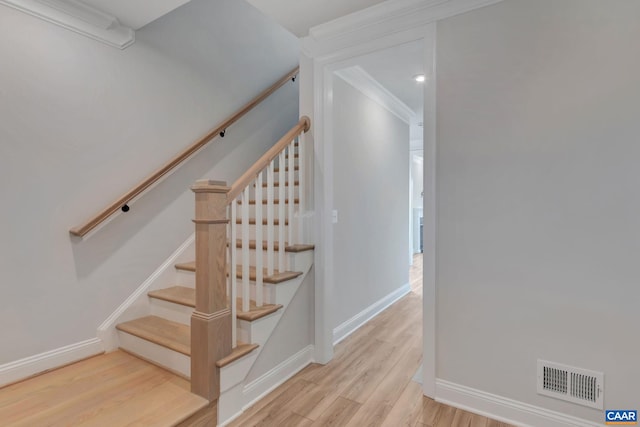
371 194
81 122
538 209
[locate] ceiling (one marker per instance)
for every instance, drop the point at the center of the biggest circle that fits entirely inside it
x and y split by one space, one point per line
298 16
395 68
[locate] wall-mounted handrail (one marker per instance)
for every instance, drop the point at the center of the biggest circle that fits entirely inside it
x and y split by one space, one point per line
122 202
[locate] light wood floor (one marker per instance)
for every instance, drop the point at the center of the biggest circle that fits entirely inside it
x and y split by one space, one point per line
369 381
110 390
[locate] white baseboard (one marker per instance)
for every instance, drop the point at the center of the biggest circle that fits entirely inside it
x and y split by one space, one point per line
350 326
107 330
33 365
260 387
504 409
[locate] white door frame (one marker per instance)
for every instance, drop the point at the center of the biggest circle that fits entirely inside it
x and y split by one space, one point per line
323 68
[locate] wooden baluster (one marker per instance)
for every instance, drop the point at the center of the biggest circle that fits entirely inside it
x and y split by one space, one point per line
291 189
259 271
301 187
282 181
211 319
270 220
246 286
233 279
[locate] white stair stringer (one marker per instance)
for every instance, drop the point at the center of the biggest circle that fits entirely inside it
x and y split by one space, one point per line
232 376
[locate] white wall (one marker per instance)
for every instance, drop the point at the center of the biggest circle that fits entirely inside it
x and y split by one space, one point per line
80 123
371 195
538 208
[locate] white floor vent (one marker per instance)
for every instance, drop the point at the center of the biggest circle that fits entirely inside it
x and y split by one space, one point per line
574 385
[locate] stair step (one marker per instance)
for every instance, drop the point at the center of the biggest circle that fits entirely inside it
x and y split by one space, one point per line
275 201
276 170
157 330
241 349
277 184
276 246
175 336
275 278
177 295
187 297
252 221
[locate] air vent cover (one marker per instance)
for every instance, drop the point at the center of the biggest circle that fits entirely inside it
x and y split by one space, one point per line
572 384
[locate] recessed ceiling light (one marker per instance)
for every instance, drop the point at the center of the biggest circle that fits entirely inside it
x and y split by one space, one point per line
419 78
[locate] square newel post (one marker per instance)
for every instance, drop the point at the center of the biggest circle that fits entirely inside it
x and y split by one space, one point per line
211 320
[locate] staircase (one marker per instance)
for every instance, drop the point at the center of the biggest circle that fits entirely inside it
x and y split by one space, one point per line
250 259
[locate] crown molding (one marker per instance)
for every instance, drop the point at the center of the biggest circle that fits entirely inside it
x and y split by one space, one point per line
371 88
384 19
78 17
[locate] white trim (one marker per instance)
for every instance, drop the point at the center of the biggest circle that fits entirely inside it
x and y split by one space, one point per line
383 19
323 69
357 77
336 45
265 384
107 331
375 14
33 365
78 17
350 326
274 378
504 409
429 213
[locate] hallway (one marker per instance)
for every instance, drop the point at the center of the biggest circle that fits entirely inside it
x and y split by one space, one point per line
369 381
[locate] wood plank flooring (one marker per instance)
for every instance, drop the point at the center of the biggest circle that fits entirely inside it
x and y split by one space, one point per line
115 389
369 381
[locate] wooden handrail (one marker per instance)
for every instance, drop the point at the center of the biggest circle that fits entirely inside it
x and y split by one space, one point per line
97 219
241 183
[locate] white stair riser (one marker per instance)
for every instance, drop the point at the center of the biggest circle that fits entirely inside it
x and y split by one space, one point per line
171 311
276 188
252 231
170 359
182 314
185 278
252 210
268 292
258 332
253 254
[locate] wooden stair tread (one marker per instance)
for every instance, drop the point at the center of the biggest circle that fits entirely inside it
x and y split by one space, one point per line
277 277
242 349
166 333
255 312
275 201
299 248
176 336
276 170
176 294
186 266
276 246
277 184
187 297
252 221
